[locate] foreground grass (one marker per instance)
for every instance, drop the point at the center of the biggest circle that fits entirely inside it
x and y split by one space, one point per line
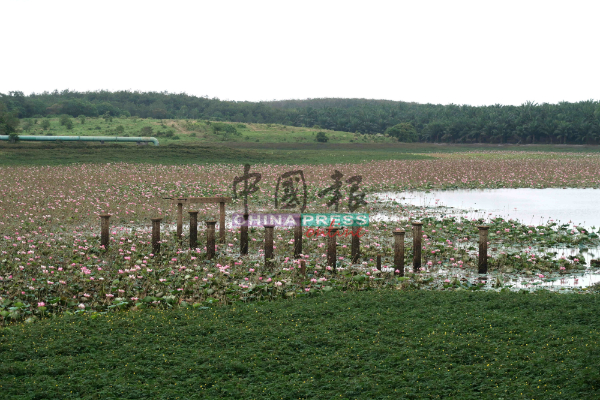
366 345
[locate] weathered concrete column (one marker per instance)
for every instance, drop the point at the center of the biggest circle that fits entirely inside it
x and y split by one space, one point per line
156 234
399 251
222 221
483 239
104 228
417 236
332 248
298 240
210 239
244 237
355 250
179 221
269 246
379 262
193 229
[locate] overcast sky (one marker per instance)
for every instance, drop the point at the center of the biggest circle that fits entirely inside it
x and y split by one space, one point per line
462 52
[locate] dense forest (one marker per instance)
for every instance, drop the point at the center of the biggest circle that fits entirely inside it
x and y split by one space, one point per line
574 123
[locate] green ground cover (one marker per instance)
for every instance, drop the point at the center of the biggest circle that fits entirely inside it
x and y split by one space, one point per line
324 343
201 142
368 345
52 153
174 131
182 152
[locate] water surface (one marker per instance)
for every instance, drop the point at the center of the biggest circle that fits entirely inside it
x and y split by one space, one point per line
530 206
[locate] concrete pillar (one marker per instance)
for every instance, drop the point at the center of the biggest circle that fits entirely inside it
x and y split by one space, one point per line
193 229
156 234
399 251
332 248
355 251
483 239
104 228
417 236
244 237
269 246
210 239
179 221
298 240
222 221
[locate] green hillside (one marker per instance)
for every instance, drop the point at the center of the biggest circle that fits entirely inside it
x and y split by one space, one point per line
529 123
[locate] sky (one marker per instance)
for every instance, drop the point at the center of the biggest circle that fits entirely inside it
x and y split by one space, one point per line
463 52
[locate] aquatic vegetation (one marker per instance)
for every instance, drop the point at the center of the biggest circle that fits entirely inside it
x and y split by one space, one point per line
51 261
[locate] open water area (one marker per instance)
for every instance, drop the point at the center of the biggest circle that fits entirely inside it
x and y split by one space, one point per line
576 207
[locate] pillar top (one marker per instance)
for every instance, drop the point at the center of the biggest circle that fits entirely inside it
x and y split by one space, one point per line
483 227
269 226
193 212
399 231
211 222
105 215
157 219
417 223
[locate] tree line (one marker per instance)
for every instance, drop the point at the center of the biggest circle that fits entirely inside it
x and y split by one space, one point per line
573 123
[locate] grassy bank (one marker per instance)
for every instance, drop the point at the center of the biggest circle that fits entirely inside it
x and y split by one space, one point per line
180 153
191 131
52 153
202 142
368 345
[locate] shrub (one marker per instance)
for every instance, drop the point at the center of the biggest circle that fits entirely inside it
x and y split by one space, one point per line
168 133
146 131
322 137
220 128
63 119
404 132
